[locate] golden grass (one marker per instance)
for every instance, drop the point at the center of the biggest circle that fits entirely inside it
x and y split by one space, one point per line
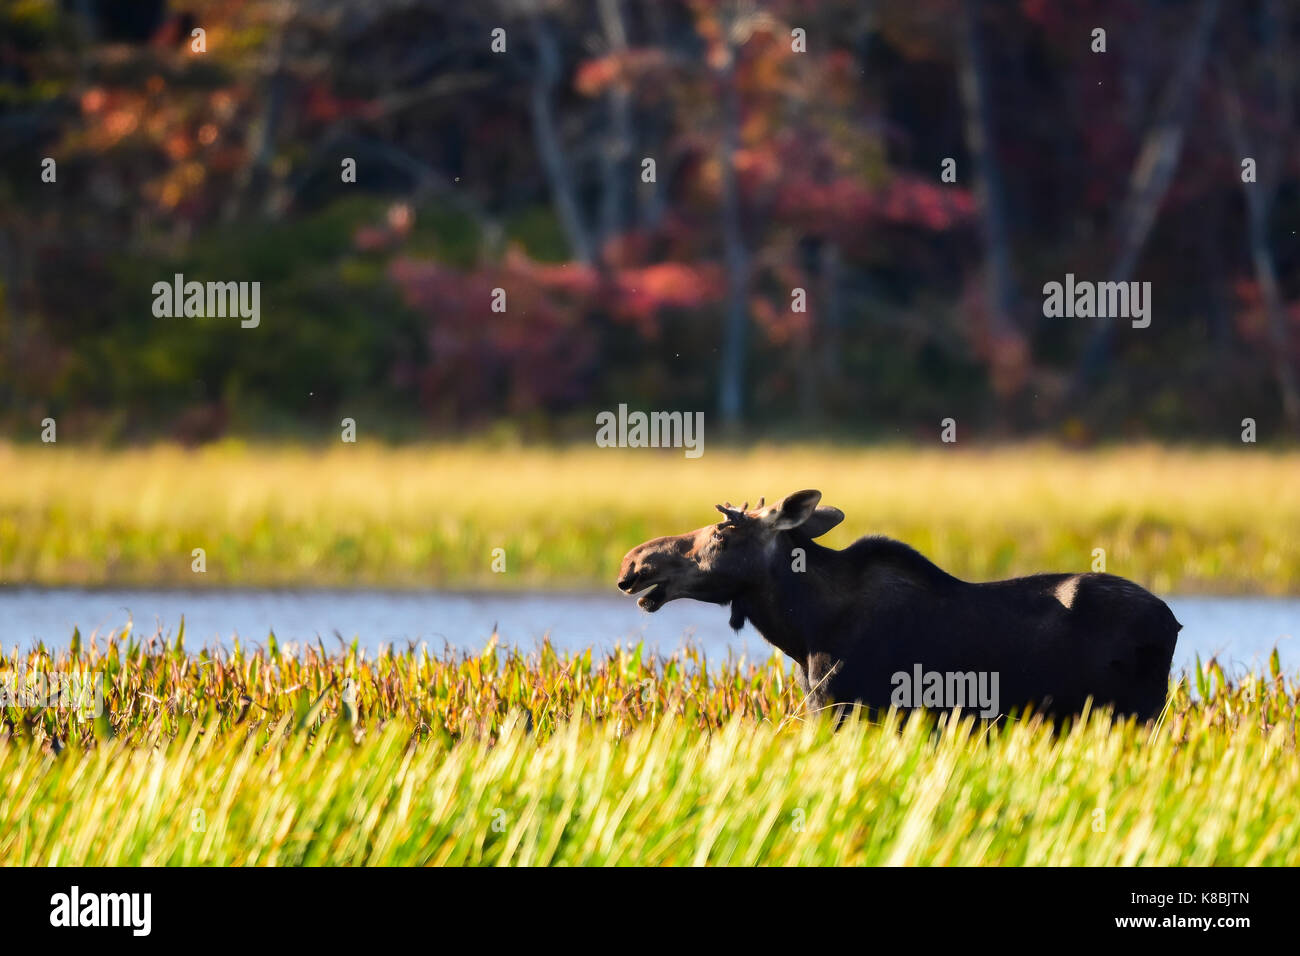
258 758
1211 521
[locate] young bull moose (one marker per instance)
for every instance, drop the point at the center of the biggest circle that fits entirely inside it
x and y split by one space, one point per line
862 622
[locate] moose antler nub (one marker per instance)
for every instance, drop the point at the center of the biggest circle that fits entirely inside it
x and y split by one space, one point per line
734 515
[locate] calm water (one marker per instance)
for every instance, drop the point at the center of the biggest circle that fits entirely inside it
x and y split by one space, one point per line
1241 631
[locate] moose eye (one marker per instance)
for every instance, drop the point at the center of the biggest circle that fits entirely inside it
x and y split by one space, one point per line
720 538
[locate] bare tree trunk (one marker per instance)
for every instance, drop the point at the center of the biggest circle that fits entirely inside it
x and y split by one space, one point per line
1266 275
831 321
1152 175
13 330
731 382
1209 242
1007 348
619 140
254 184
548 140
1259 203
653 127
808 338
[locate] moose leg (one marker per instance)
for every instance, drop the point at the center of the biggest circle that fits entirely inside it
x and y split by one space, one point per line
816 685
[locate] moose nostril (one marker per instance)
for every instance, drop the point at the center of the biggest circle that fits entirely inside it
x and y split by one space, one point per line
626 581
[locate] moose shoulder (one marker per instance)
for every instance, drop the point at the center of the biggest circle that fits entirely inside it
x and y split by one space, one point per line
862 623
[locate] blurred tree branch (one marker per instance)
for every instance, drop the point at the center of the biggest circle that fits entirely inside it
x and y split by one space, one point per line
1153 174
1259 195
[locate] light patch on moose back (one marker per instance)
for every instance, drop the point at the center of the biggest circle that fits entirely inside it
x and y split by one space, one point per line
1066 590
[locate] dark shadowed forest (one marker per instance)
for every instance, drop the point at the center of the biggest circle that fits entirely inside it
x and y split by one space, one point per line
830 217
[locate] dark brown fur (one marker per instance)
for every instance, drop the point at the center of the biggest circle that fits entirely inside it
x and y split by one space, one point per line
853 619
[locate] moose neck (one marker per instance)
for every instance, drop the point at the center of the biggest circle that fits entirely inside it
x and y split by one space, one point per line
788 606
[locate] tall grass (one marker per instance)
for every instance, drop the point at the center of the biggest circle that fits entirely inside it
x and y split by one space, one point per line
262 757
152 687
1175 520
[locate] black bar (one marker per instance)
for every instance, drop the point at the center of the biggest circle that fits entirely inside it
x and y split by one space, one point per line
567 907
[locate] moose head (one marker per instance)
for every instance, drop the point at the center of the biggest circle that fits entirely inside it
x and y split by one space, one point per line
718 563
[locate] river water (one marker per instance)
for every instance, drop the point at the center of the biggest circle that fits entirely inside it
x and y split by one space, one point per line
1241 631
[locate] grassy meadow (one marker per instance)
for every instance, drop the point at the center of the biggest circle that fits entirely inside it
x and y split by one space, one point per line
261 757
263 754
1186 521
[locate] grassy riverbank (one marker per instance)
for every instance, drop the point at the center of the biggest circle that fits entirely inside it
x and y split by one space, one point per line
261 757
1175 520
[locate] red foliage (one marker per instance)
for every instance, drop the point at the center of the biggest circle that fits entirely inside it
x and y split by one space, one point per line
1251 319
533 352
632 68
843 206
539 349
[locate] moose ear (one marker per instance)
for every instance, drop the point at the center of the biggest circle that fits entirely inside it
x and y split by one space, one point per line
794 510
822 520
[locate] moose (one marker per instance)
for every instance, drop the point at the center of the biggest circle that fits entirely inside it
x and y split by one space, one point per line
861 622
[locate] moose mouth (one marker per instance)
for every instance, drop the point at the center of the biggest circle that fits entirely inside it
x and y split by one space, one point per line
653 599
